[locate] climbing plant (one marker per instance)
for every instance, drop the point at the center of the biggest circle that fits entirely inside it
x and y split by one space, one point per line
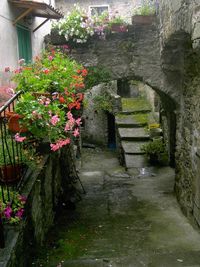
96 75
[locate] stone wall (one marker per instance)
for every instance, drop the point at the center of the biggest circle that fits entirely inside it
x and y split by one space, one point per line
95 120
44 188
168 61
180 36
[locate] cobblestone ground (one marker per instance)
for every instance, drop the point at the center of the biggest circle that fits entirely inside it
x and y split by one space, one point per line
124 220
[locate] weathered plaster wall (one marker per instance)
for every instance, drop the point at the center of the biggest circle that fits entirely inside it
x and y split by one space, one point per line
8 34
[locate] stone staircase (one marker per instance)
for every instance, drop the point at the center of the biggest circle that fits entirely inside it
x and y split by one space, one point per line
131 124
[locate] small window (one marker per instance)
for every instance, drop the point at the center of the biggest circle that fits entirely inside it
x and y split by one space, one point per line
98 10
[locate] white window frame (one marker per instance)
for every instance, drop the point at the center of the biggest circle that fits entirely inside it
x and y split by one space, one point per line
92 6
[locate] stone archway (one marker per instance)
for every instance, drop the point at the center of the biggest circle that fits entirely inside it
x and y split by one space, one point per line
171 72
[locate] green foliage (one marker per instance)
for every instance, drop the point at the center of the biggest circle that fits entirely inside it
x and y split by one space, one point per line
145 10
96 75
37 116
117 20
102 19
156 151
12 206
103 102
52 72
155 147
18 152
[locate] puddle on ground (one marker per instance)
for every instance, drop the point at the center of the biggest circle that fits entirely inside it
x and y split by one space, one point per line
146 172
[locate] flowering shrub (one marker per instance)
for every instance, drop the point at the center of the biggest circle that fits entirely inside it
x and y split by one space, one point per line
47 118
75 27
53 92
13 209
52 72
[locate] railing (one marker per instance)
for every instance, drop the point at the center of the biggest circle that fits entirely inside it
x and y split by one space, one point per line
11 168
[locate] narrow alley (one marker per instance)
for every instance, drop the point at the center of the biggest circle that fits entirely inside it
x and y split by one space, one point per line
124 219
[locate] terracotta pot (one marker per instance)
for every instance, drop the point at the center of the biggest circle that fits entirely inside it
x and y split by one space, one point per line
119 28
10 173
13 122
143 19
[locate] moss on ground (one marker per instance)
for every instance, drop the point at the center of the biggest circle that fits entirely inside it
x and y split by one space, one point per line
142 118
135 104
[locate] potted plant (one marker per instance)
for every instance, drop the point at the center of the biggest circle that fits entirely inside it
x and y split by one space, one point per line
156 152
155 130
144 15
117 24
12 162
12 207
14 122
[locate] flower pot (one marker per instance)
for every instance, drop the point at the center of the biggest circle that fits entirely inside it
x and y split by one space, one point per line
10 174
143 19
155 132
118 28
13 122
153 159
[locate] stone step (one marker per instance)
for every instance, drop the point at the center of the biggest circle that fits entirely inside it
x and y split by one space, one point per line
132 112
135 161
133 134
128 121
133 147
135 105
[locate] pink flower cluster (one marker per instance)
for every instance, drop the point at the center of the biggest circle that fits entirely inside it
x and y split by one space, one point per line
54 120
8 212
60 143
19 138
13 210
72 123
36 115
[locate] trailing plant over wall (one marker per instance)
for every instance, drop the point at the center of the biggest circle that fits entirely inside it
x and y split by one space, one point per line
148 8
75 26
96 75
103 102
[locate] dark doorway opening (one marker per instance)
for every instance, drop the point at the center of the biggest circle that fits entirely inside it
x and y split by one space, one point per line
111 131
123 88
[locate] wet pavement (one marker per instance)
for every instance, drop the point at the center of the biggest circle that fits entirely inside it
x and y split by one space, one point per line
125 219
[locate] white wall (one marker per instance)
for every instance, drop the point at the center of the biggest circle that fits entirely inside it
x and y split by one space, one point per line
8 34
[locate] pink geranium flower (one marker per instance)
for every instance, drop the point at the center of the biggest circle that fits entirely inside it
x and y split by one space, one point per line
60 143
76 132
7 212
20 213
19 138
78 121
54 120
